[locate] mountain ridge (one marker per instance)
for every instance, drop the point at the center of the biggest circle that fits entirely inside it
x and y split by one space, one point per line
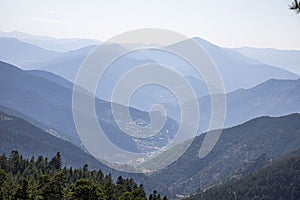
236 148
51 43
285 59
264 183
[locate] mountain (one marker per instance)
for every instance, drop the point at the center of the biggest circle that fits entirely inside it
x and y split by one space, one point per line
66 64
238 71
29 56
34 122
280 180
23 54
285 59
37 98
271 98
29 140
50 103
237 148
50 43
51 77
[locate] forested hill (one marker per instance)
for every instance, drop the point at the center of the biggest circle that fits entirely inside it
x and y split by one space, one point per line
29 140
280 180
42 178
244 148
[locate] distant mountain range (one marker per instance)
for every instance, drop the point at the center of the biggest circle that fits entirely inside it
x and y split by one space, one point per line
23 54
48 99
236 70
52 97
50 43
66 64
29 56
271 98
286 59
242 72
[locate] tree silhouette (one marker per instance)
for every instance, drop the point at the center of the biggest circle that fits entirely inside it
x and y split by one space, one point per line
56 162
295 6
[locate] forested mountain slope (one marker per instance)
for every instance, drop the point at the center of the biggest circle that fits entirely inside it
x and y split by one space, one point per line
280 180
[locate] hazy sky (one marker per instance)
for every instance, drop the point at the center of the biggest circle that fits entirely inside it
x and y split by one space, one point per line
228 23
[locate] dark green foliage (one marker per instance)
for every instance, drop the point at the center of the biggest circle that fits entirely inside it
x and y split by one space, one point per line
53 187
56 162
22 192
85 189
280 180
156 196
39 179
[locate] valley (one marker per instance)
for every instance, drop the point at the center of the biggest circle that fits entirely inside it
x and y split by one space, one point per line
253 154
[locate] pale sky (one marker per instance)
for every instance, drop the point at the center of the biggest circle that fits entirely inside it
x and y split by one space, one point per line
227 23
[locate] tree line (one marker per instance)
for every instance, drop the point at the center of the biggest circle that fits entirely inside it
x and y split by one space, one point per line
43 179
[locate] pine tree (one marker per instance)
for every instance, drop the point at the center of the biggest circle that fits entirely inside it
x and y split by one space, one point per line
85 189
56 162
120 180
14 162
3 162
59 184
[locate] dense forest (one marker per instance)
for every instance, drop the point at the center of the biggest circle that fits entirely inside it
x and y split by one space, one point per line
280 180
46 179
